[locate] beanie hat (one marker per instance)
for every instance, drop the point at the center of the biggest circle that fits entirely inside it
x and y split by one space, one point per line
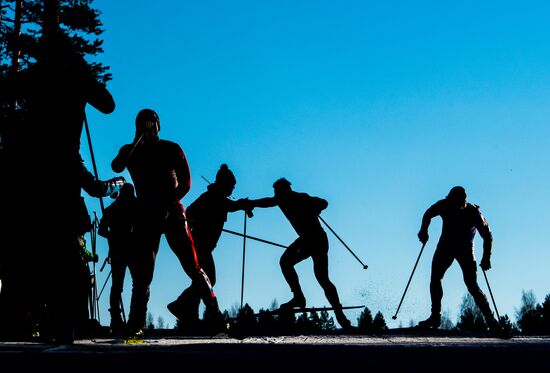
225 176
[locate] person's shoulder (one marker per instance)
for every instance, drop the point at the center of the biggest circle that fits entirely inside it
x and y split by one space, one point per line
171 146
442 203
125 147
472 207
169 143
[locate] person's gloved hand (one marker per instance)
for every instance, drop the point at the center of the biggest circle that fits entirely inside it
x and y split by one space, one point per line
423 236
485 263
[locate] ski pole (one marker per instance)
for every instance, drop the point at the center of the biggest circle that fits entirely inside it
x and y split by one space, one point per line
491 293
409 282
254 238
244 256
343 243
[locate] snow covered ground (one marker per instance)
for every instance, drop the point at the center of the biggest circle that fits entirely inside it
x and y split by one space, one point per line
307 353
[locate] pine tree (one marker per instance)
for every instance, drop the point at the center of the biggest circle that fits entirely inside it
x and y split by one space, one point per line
77 18
302 323
546 314
379 324
327 322
315 321
246 321
150 324
530 314
470 319
364 322
22 25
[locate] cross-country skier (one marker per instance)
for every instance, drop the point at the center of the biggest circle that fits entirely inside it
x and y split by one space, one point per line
161 177
207 216
302 211
461 220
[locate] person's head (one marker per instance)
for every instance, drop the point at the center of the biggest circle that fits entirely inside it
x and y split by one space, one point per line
225 180
457 197
148 124
281 187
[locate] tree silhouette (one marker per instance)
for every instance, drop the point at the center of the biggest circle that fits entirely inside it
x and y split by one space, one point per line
508 326
77 18
22 24
364 321
327 322
246 322
470 319
446 323
530 314
379 324
546 314
150 323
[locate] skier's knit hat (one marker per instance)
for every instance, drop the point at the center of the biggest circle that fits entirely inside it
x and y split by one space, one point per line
225 176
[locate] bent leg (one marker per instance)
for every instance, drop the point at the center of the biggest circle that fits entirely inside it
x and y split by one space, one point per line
293 255
442 260
469 272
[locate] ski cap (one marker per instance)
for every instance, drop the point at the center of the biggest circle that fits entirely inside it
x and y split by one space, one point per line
225 176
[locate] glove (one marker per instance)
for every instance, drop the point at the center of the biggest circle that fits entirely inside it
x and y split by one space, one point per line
247 206
113 185
485 263
423 236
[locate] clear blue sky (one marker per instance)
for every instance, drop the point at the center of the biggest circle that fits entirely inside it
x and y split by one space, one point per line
380 107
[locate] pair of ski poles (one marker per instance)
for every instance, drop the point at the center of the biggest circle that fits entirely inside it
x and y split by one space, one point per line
394 317
245 236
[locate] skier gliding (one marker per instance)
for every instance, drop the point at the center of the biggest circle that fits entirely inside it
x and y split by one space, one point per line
460 222
302 211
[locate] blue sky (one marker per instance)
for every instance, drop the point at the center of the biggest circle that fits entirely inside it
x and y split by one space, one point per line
378 107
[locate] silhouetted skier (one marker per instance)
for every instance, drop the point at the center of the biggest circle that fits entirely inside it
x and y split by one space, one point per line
207 216
302 211
45 159
461 220
161 177
117 225
94 188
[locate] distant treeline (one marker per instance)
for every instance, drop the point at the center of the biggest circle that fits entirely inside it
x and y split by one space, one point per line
532 318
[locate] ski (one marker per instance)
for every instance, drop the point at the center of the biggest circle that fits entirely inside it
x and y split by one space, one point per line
279 311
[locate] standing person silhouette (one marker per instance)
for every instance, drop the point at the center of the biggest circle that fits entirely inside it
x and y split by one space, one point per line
117 225
161 177
302 211
46 149
461 220
207 216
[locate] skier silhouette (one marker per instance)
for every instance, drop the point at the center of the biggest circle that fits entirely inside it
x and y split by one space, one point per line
161 177
302 211
461 220
117 225
45 161
207 216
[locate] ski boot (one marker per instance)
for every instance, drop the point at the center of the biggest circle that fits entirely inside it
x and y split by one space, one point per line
343 321
431 322
184 311
118 327
213 320
298 301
